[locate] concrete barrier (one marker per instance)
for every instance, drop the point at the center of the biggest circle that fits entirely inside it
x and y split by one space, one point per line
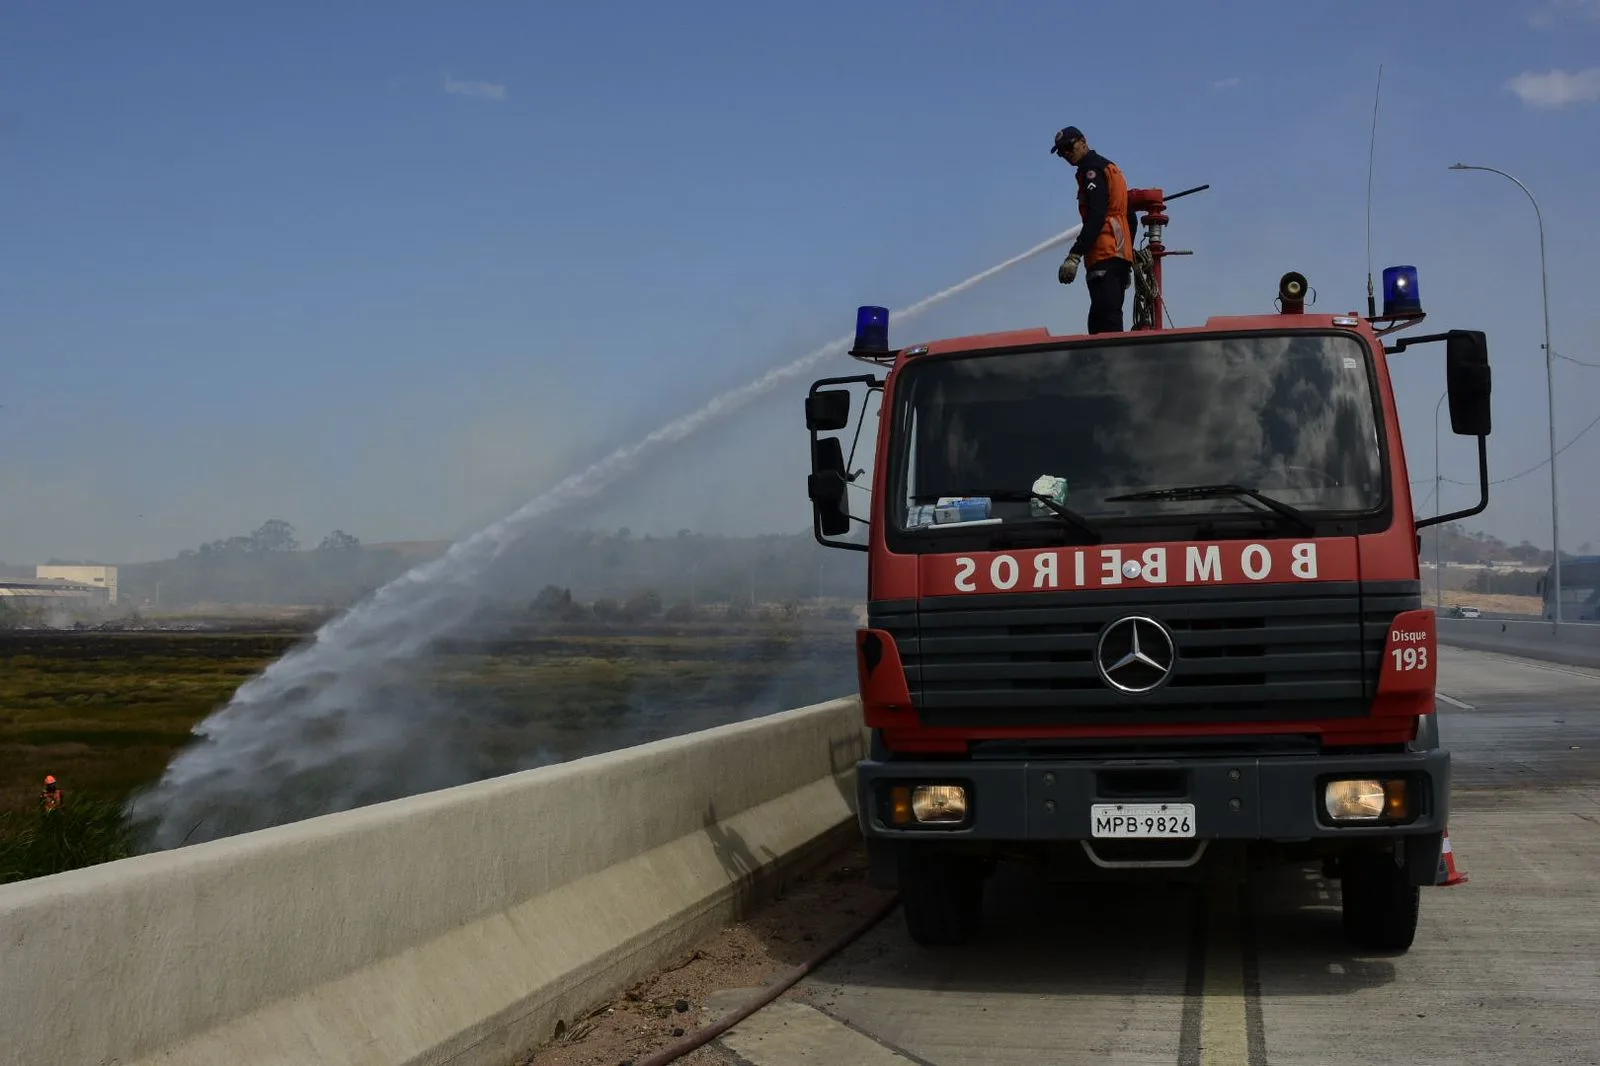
455 927
1572 643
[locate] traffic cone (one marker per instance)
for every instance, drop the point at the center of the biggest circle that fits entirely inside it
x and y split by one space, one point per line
1448 874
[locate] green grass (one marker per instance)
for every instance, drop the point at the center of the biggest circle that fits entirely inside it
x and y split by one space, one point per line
105 712
37 843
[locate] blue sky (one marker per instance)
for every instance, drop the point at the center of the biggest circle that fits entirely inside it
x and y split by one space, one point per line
395 268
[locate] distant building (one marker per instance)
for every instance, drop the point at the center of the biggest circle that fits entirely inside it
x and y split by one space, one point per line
1498 567
95 577
41 593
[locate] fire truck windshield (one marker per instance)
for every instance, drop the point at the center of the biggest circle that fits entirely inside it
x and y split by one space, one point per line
1291 415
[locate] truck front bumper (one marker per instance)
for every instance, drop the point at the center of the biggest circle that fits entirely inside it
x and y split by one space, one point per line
1277 798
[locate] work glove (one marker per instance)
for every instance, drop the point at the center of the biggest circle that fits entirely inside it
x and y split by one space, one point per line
1069 269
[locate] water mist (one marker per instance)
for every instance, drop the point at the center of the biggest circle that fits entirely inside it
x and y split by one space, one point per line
348 718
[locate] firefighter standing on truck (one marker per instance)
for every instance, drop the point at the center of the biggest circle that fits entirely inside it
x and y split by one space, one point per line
1105 244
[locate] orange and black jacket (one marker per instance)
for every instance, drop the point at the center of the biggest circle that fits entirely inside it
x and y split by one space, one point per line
1103 207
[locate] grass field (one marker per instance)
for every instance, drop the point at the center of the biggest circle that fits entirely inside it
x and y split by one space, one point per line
104 712
1484 601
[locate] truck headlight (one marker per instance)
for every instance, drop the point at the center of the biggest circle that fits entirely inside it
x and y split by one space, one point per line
1367 799
945 806
939 803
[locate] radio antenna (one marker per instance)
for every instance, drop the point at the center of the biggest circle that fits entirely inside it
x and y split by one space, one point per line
1372 155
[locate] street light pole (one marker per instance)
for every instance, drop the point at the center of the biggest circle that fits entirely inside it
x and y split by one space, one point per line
1549 379
1438 506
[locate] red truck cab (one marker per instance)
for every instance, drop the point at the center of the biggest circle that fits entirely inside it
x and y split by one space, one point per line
1145 604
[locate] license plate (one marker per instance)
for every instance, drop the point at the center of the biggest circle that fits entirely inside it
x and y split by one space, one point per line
1142 820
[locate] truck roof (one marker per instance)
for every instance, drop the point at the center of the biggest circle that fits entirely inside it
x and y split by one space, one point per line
1023 338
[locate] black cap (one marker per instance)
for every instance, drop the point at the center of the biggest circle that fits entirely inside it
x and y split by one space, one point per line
1064 138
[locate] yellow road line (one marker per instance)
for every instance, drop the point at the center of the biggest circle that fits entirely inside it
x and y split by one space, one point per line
1224 1026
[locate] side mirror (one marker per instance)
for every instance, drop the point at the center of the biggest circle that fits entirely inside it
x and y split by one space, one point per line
1467 376
827 410
1466 373
827 486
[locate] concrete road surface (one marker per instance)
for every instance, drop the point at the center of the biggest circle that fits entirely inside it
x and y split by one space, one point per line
1505 969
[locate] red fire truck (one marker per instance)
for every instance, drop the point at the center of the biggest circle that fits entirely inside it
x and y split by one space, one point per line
1146 603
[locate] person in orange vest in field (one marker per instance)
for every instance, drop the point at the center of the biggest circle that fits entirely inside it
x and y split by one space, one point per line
1105 244
51 796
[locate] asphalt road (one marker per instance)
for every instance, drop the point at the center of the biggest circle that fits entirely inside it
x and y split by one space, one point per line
1505 969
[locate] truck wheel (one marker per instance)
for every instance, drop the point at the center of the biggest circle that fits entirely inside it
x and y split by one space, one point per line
1380 905
942 897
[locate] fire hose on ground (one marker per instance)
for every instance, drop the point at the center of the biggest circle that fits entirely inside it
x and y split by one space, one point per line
700 1037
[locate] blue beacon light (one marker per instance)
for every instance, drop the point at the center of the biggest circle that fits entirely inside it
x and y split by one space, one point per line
1400 296
872 330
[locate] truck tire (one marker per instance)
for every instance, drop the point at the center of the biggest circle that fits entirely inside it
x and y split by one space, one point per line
942 896
1380 904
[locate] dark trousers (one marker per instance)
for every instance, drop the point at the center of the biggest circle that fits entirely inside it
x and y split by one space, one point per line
1108 282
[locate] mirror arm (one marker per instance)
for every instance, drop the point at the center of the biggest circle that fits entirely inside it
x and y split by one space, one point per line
873 386
1483 491
829 542
1401 345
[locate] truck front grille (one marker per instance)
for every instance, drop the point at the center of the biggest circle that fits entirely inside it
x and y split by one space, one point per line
1244 653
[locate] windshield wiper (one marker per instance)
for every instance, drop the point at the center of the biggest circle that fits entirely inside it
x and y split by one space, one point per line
1071 518
1213 492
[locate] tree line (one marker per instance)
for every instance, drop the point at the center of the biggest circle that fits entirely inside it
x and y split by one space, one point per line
606 571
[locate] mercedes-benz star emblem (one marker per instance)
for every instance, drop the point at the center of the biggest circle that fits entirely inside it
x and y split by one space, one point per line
1135 654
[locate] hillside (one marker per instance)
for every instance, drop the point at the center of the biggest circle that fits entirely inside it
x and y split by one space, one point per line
1457 544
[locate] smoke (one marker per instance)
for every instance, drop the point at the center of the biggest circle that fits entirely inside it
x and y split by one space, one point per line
357 715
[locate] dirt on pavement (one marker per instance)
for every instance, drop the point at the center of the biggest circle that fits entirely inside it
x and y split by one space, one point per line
811 910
